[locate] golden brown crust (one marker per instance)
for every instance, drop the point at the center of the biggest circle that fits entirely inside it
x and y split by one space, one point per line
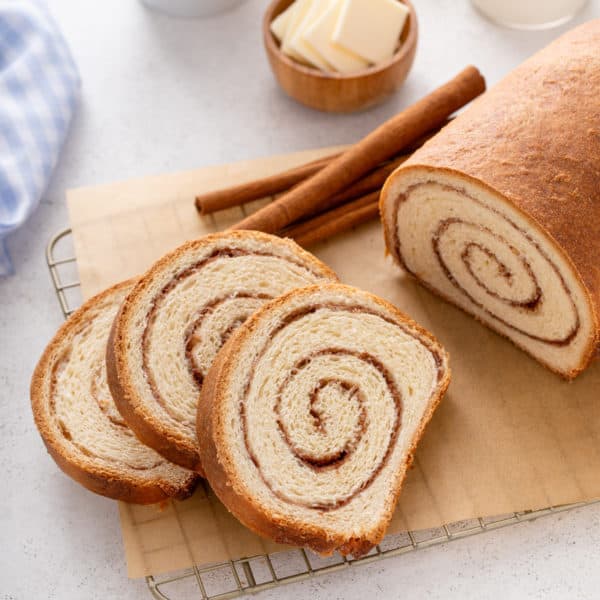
150 429
219 467
99 479
534 139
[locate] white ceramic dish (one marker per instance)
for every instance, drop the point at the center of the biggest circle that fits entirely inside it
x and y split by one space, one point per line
529 14
191 8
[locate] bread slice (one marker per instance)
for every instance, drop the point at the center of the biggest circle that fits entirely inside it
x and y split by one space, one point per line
177 317
78 421
500 212
311 412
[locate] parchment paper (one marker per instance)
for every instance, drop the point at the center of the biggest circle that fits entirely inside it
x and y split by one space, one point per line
508 436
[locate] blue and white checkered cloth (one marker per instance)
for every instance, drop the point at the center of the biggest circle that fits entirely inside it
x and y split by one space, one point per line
39 87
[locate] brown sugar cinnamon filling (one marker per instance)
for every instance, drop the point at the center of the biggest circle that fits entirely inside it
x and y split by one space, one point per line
193 334
347 392
105 402
240 306
469 251
105 407
323 451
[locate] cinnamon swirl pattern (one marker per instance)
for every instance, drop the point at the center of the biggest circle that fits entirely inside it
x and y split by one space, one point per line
79 422
177 318
472 247
311 412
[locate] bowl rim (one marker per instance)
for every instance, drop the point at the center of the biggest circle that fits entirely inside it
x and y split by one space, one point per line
405 49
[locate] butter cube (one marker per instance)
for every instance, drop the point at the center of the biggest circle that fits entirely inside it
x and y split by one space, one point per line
281 22
303 47
371 28
319 35
300 9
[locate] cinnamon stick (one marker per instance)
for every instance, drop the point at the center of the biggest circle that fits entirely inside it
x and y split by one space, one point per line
237 195
259 188
335 221
375 179
386 141
372 182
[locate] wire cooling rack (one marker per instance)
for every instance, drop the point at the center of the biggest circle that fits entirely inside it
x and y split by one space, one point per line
234 578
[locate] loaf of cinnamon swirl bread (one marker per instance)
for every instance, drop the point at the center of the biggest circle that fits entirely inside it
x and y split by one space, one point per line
310 414
500 212
177 317
79 423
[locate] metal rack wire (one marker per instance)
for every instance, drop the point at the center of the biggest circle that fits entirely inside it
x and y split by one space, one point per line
230 579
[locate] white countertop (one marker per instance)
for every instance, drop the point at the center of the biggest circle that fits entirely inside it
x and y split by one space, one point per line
161 94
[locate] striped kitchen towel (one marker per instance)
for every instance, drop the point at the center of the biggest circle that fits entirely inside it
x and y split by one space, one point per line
39 87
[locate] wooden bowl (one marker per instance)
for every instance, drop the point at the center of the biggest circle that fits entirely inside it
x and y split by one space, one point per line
335 92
